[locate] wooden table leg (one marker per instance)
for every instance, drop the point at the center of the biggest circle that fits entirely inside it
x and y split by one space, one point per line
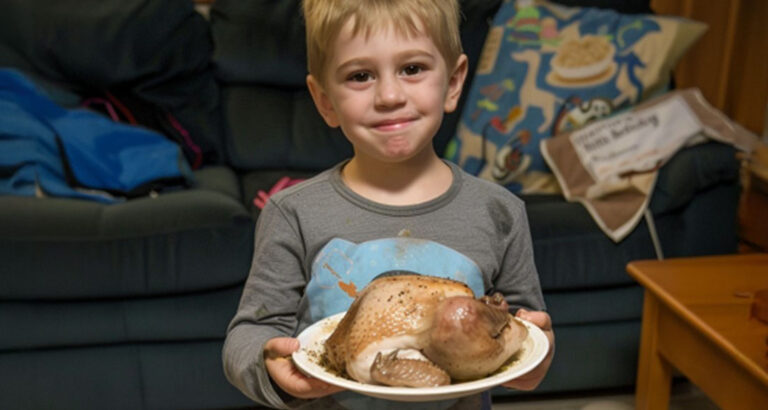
654 373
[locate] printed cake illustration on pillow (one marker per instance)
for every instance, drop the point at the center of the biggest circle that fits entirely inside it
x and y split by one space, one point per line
546 69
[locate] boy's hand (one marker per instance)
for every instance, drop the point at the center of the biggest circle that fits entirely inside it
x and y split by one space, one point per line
277 359
531 380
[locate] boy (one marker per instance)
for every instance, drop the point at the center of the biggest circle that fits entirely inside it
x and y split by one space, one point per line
385 72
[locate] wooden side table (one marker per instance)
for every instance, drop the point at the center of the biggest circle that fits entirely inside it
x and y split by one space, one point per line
696 319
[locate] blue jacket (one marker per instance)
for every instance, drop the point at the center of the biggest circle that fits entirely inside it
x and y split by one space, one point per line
77 153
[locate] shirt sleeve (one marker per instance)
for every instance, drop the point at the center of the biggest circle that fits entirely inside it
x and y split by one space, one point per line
518 278
267 307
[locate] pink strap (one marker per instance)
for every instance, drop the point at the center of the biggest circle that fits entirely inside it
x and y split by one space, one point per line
108 105
188 141
260 201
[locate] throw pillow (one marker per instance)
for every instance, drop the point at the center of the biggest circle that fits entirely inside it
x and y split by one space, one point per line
547 69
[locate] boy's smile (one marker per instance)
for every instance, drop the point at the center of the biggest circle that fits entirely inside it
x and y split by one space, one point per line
394 124
387 91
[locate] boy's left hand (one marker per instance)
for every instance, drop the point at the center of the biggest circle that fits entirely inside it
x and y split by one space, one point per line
531 380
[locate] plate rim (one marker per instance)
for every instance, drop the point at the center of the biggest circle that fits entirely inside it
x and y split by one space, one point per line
539 339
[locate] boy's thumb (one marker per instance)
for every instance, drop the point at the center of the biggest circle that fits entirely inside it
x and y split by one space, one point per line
281 346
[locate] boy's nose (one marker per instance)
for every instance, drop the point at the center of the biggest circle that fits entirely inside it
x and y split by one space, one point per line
389 93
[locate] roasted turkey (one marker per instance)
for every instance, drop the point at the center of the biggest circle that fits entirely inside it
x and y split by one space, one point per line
419 331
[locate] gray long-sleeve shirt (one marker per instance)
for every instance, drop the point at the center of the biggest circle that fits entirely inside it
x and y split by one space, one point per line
319 233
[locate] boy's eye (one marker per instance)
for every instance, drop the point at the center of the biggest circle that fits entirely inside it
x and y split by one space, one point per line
360 77
412 69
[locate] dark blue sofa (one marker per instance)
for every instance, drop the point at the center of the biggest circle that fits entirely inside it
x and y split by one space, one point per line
126 305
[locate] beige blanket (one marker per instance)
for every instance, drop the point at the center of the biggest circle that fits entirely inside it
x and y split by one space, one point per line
610 166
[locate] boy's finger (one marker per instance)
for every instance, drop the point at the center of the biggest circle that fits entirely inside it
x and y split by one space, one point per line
314 388
540 319
326 388
523 314
302 386
280 347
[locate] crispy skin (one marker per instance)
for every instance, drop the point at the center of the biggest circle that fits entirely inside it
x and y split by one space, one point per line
436 328
387 307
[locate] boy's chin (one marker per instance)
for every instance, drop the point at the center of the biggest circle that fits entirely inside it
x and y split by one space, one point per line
404 156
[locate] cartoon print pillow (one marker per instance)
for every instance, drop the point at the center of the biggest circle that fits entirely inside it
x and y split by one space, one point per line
546 69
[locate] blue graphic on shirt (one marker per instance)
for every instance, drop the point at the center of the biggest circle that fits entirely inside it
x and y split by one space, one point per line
342 268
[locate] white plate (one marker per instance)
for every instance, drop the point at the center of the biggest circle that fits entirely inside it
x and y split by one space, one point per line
535 348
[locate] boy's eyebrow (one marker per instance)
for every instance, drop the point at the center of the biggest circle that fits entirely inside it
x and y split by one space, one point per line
352 62
400 56
415 53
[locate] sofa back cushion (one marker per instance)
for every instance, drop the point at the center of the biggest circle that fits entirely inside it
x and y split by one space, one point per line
157 52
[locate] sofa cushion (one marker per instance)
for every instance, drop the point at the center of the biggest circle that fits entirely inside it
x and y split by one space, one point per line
564 231
181 241
192 316
218 179
130 376
567 307
591 357
278 128
259 42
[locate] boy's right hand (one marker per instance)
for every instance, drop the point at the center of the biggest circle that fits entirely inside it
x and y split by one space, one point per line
277 358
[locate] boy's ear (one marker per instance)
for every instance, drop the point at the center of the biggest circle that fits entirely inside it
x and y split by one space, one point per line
456 83
322 102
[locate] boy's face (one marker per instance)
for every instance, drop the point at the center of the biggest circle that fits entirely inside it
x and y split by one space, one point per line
387 92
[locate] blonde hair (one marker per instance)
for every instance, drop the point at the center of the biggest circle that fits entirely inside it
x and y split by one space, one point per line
324 20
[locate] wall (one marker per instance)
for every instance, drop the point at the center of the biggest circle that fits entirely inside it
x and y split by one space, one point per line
730 62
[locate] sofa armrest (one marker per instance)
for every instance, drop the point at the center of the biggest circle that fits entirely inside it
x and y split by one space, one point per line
218 178
693 170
